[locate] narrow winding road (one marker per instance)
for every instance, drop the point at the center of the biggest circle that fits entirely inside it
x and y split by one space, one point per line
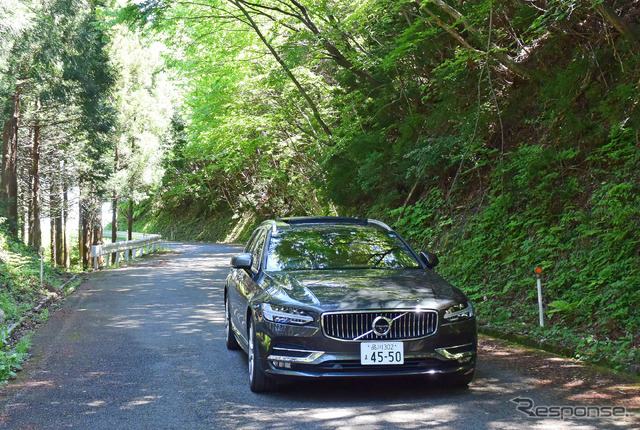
142 347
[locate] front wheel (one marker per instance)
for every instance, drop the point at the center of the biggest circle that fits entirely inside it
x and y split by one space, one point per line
258 380
229 337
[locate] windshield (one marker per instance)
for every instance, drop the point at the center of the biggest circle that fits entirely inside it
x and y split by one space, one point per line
337 247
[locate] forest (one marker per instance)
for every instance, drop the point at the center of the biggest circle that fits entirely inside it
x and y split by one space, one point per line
502 135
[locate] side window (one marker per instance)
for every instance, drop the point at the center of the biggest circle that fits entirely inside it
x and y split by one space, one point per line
257 250
250 244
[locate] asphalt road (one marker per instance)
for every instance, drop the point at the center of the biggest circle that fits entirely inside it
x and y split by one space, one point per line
142 347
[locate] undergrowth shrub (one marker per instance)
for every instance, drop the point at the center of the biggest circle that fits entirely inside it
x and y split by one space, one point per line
543 212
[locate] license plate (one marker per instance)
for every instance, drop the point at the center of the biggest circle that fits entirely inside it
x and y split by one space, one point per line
372 353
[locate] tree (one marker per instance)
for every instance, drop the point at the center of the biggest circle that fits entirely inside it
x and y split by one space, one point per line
9 173
144 99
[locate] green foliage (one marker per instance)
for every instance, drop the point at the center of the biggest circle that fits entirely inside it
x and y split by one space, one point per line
11 360
589 250
20 291
43 316
501 134
20 287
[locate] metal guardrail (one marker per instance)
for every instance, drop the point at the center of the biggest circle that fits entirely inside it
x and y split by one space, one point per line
125 234
127 247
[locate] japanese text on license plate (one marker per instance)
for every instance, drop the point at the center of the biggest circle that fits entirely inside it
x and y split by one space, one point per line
372 353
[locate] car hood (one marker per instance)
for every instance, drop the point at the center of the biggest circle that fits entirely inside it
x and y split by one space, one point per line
331 290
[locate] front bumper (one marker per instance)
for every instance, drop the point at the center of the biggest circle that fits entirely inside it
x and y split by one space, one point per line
304 351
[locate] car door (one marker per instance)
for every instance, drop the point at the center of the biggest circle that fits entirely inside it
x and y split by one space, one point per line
234 295
246 282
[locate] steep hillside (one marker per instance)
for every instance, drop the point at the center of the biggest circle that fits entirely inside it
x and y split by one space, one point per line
503 135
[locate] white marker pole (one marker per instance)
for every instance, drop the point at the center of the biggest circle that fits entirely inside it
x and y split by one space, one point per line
538 272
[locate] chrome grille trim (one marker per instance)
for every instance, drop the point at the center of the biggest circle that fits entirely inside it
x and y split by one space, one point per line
357 325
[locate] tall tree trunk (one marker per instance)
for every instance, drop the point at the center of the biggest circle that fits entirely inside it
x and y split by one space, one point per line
65 205
57 234
29 220
9 168
114 204
24 223
114 218
59 244
85 236
130 220
114 222
81 223
35 238
131 184
86 239
24 207
53 232
90 226
59 239
96 235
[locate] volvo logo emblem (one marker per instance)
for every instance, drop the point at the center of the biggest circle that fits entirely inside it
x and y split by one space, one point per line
381 325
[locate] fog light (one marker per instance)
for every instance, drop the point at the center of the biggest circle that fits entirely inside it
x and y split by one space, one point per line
281 364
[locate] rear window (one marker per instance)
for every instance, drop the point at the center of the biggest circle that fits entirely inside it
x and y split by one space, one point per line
337 247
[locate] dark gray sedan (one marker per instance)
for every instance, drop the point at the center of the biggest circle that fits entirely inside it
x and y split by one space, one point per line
344 297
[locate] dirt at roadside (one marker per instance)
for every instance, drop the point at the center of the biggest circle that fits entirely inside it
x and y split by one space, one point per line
577 381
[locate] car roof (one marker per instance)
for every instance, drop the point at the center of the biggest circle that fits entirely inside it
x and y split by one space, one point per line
292 222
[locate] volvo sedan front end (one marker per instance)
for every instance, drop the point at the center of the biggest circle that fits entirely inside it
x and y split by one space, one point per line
344 297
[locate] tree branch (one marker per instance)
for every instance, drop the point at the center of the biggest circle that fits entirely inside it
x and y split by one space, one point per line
284 66
623 27
496 50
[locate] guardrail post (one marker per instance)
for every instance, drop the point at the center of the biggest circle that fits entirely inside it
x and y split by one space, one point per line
95 252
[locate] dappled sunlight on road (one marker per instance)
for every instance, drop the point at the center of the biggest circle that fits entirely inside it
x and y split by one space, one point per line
125 322
340 417
148 280
180 318
140 402
144 347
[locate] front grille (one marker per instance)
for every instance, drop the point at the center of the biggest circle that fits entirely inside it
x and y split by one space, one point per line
359 325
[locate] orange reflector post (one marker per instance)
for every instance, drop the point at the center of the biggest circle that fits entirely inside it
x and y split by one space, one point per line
538 271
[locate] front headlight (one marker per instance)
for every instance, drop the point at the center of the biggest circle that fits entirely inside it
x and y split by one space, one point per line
285 314
459 312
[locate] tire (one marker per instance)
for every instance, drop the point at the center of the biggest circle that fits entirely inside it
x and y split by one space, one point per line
258 380
461 380
229 338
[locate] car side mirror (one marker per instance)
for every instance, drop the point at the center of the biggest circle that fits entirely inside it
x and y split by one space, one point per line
242 261
429 259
